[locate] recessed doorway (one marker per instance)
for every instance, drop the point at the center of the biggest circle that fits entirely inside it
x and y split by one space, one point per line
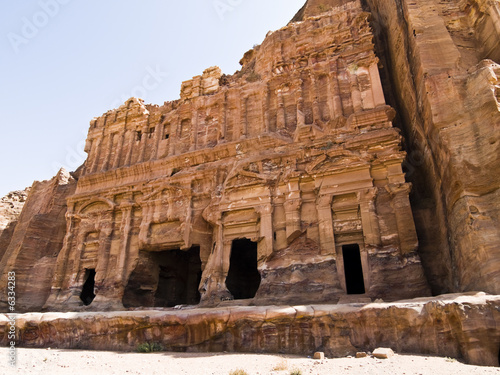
87 295
353 269
243 279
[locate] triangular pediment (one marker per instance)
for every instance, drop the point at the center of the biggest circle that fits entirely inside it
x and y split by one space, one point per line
244 178
335 160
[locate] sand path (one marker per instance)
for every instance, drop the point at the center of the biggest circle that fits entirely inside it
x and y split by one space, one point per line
59 362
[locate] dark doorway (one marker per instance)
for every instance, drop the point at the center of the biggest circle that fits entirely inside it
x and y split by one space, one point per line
353 269
165 279
178 278
87 295
243 279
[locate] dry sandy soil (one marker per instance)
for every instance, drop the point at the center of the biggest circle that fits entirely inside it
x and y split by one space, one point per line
58 362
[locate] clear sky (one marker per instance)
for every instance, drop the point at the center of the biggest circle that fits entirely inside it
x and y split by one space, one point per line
64 62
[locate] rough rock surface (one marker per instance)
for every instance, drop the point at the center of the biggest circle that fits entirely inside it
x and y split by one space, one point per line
456 326
280 184
10 208
439 63
36 242
284 184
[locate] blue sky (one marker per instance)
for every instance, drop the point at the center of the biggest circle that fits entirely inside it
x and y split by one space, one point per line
64 62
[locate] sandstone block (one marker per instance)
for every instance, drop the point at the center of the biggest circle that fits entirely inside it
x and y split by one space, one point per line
383 353
319 355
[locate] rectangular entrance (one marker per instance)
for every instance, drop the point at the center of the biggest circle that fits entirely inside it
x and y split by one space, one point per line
243 279
165 279
87 295
178 278
353 269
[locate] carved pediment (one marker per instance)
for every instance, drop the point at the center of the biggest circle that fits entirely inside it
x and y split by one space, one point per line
335 160
167 191
95 206
245 178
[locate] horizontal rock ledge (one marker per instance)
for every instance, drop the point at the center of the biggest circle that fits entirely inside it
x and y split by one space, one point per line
462 326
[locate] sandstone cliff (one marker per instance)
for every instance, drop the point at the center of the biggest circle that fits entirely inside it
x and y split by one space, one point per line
279 184
10 208
439 69
284 184
36 242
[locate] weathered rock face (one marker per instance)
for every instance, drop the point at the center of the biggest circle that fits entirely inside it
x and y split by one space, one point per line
440 74
36 242
463 327
283 184
280 184
10 208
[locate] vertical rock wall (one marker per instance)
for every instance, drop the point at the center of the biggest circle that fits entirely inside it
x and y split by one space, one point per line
439 61
10 208
36 242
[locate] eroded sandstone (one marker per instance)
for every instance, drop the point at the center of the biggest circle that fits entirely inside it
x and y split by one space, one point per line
457 326
36 242
280 184
10 208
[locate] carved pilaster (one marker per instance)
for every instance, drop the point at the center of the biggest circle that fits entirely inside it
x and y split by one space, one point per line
107 155
266 230
119 149
125 228
325 221
406 227
292 211
144 139
371 230
280 120
378 93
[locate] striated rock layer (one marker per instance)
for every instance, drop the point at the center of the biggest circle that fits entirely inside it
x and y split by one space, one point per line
440 71
10 208
36 242
463 327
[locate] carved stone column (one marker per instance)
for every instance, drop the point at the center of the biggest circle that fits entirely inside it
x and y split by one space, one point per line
299 95
369 220
97 154
107 155
119 151
131 140
125 228
106 232
266 230
378 93
406 227
355 93
280 120
292 205
144 139
325 221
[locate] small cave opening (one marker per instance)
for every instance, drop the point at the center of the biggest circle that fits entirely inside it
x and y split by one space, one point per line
87 295
165 279
243 279
353 269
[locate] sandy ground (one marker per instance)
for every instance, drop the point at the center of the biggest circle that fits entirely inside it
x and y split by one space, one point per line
58 362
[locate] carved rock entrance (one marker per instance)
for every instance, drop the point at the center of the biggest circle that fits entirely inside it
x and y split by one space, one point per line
353 269
165 279
243 279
